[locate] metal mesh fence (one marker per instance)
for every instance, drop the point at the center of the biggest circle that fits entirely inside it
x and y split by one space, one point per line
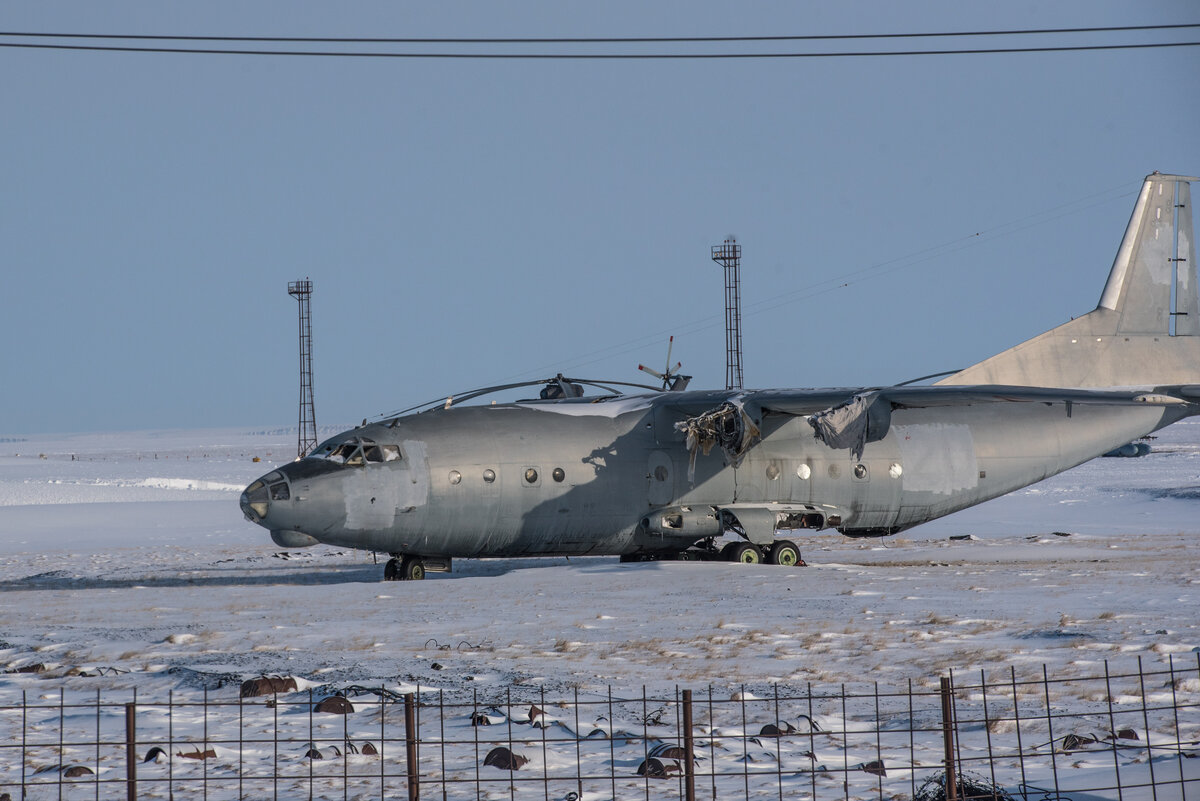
1131 735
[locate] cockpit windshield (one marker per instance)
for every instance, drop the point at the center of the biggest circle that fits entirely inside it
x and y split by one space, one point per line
356 452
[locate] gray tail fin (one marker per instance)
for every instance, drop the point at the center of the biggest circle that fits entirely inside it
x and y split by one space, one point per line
1146 329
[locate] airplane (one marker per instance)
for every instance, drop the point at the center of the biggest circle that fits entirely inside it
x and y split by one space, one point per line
664 474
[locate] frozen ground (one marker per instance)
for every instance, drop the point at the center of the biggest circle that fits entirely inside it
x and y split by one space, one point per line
128 551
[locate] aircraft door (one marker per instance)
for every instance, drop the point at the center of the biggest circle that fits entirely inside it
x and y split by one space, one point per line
660 477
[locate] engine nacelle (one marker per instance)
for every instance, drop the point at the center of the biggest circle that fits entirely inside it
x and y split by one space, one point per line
684 522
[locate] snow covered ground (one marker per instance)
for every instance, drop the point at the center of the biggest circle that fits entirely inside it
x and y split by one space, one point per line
125 556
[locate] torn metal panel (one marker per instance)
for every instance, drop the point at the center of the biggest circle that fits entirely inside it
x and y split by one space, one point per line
862 419
730 426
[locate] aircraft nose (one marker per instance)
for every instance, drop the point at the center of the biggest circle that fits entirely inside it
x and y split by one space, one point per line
256 498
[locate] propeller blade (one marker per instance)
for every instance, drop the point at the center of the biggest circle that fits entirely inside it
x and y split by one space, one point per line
652 372
670 344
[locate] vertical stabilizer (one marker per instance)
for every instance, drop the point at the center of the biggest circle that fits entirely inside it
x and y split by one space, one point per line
1145 330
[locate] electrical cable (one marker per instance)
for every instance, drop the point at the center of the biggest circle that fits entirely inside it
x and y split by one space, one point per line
598 56
598 40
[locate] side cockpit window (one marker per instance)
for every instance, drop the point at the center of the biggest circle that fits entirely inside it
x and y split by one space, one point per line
381 453
345 453
357 452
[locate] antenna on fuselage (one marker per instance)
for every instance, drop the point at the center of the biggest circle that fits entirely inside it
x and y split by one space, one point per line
306 438
729 254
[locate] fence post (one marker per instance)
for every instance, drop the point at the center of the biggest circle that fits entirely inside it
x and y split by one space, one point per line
131 752
948 737
689 775
410 738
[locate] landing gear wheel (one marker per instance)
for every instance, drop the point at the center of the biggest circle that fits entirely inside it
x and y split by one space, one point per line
391 570
412 569
784 553
746 552
726 554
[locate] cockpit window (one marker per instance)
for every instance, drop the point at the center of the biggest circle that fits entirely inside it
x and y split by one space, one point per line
342 454
356 452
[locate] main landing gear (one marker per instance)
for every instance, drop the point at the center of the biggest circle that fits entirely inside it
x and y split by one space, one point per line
781 552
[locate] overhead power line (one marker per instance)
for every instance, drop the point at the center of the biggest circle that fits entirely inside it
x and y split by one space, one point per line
594 39
597 56
117 46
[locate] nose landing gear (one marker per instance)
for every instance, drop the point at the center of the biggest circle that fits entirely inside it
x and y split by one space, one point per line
409 567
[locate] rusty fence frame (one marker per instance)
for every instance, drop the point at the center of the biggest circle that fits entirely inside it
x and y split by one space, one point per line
1129 736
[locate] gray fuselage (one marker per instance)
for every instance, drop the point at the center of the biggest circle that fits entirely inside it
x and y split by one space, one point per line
611 477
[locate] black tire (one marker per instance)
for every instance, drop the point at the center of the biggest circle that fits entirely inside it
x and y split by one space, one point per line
727 551
784 553
412 569
391 570
746 553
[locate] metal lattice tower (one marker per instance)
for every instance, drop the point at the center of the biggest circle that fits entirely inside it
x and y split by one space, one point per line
306 439
729 254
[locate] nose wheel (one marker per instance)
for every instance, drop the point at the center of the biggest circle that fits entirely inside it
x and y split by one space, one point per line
406 568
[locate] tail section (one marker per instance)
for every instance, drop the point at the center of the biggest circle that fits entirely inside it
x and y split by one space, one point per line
1145 330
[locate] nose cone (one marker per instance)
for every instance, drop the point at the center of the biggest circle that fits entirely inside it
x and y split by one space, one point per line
257 498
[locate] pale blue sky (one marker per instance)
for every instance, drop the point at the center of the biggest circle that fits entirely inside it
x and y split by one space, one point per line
474 222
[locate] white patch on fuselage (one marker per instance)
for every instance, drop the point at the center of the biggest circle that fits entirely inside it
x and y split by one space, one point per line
376 493
614 408
937 457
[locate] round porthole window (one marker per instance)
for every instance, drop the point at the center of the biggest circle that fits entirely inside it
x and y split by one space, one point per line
772 472
455 476
803 472
558 474
860 471
489 475
531 476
